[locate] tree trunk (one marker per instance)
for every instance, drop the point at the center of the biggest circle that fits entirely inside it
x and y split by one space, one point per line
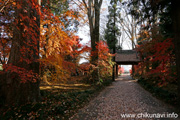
27 19
176 25
114 45
93 8
95 33
117 70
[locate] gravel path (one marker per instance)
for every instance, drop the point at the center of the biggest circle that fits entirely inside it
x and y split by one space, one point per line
125 96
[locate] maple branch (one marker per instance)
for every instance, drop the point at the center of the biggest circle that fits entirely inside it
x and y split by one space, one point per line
5 3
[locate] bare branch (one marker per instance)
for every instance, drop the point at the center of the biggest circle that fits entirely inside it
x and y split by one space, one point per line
77 4
85 4
5 3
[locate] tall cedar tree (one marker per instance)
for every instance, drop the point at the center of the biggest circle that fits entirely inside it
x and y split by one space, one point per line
112 31
21 82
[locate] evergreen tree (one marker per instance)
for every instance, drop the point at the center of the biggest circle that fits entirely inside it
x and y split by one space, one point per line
112 31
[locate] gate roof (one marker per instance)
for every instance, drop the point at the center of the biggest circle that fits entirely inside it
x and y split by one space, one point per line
127 57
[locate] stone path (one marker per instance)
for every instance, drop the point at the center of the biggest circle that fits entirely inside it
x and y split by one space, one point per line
125 99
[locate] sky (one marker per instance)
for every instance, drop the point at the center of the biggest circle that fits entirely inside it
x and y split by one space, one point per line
83 32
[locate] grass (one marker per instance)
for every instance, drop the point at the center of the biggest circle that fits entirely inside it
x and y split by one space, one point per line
58 102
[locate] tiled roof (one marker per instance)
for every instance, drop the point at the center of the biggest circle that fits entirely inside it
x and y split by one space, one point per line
126 56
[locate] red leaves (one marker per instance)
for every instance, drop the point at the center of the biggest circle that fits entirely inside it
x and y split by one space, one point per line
120 69
22 39
4 50
23 74
104 58
159 57
103 50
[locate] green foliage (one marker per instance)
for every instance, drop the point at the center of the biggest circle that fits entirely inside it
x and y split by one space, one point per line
56 6
112 31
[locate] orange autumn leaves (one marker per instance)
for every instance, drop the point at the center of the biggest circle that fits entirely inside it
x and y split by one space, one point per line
59 50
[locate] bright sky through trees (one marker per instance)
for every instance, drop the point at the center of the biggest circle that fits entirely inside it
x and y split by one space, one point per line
84 30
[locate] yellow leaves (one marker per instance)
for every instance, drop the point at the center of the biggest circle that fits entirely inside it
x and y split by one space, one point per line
57 45
44 22
71 14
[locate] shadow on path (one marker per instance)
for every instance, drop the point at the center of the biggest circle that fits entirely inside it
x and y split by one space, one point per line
125 99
